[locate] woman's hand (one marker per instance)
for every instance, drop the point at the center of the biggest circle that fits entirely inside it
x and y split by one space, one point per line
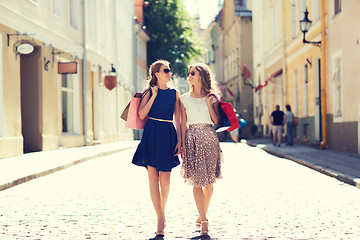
183 152
209 99
177 149
154 91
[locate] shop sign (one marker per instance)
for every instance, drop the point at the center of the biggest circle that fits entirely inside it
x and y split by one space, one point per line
110 82
67 67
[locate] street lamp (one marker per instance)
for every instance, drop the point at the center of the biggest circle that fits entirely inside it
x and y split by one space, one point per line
305 24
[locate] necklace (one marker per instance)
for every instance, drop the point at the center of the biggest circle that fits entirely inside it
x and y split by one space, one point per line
197 102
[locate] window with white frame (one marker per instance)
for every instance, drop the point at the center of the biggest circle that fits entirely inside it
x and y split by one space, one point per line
237 61
337 6
74 13
316 8
293 19
295 89
274 25
337 86
91 19
225 69
69 102
302 8
57 7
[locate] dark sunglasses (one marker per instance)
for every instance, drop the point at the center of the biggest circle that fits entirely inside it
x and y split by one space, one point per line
167 70
191 73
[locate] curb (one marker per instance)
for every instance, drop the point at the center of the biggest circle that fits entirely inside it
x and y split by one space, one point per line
58 168
331 173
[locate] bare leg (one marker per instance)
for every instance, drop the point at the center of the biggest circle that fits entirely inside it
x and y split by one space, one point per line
279 138
207 191
165 189
202 199
155 196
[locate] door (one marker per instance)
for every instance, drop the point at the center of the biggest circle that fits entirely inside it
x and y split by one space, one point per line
31 88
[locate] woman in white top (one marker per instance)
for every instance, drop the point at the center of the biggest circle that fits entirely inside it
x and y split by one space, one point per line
200 144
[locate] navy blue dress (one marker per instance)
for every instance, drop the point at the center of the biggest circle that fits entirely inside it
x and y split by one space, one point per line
159 139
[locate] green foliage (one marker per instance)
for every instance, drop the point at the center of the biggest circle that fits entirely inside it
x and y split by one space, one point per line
171 35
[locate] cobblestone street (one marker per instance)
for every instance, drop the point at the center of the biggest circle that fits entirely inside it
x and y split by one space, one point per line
260 197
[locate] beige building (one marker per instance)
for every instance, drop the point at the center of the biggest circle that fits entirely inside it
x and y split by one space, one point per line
287 71
42 108
236 23
343 73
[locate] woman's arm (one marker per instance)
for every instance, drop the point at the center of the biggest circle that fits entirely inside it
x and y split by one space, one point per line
178 124
213 108
147 102
183 129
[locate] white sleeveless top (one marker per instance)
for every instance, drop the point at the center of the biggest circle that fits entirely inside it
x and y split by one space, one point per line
197 110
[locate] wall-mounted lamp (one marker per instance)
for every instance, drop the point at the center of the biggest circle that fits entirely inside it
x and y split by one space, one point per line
305 24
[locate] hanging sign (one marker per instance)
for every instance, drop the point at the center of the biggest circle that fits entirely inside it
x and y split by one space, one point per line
24 47
67 67
110 82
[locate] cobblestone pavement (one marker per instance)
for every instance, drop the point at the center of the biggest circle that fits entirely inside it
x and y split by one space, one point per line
260 197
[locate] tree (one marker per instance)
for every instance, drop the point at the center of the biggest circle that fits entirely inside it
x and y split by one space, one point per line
171 35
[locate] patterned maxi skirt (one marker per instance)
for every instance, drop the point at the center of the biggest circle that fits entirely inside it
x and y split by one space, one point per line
202 165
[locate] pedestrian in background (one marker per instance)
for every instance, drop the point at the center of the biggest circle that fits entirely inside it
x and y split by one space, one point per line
161 143
200 144
277 120
289 125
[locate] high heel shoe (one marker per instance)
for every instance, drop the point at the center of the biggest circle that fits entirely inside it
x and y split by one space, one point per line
158 235
204 232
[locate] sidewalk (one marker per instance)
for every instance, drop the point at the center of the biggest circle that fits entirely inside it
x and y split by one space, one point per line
20 169
342 166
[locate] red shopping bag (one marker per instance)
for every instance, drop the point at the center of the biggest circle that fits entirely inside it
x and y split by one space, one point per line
228 120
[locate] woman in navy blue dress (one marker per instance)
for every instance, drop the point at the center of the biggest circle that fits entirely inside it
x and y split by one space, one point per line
160 144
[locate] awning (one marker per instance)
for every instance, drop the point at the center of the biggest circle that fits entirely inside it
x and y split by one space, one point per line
268 80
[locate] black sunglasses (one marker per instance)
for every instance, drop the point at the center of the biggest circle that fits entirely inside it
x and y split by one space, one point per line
192 73
167 70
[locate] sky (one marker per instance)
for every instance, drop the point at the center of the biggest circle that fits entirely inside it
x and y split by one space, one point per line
207 10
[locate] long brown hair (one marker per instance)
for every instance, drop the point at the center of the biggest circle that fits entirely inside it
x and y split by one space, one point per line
208 82
154 68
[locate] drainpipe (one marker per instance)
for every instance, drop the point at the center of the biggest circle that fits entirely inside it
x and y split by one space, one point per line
84 75
323 143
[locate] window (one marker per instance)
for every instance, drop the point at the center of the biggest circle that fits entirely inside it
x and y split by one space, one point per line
337 6
91 19
74 13
70 103
316 10
337 86
275 26
57 7
306 91
295 83
293 19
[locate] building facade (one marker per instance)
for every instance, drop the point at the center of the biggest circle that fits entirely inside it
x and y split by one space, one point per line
44 104
237 84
